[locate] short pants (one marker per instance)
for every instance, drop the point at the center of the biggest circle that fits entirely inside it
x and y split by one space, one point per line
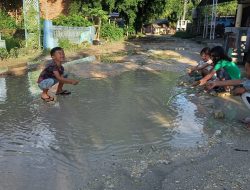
246 85
49 82
223 75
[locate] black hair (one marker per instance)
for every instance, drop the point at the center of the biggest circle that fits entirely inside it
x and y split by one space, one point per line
53 50
205 50
218 54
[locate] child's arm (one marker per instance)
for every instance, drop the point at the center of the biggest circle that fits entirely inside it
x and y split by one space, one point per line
64 80
192 69
202 66
207 77
213 84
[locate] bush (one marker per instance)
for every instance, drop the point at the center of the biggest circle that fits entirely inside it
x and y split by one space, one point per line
64 43
3 54
24 51
6 21
72 20
67 45
111 32
12 42
184 35
172 25
130 30
14 52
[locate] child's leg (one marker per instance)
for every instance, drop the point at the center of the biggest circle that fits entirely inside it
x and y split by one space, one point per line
239 91
45 93
60 87
246 121
45 85
204 72
223 75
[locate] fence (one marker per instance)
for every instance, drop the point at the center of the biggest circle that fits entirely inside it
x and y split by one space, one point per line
2 43
182 25
77 35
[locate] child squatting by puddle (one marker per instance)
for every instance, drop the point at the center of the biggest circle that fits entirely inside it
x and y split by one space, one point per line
228 76
54 73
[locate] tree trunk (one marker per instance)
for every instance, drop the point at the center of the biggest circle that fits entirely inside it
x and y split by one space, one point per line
98 29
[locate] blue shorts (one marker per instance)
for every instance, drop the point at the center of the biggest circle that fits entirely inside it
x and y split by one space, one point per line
223 75
246 85
47 83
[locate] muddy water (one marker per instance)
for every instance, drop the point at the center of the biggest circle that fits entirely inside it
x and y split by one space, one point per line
103 136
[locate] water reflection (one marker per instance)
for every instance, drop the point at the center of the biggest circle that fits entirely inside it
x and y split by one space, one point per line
189 127
33 87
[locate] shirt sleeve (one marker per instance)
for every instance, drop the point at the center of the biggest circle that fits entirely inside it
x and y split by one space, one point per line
218 66
54 68
200 63
209 62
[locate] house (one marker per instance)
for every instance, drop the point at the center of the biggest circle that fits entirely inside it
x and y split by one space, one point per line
160 26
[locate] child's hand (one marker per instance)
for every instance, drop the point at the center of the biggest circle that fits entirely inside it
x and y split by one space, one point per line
202 82
74 82
189 71
239 91
196 83
210 85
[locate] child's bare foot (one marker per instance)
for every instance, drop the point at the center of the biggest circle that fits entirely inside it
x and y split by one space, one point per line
245 120
196 83
47 98
248 126
63 92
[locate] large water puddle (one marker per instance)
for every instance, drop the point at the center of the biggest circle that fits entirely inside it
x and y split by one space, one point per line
104 130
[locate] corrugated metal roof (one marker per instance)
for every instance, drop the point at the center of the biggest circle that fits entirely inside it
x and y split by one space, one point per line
161 21
114 14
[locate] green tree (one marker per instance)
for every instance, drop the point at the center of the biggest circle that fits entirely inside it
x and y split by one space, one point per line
72 20
227 9
97 15
173 9
134 12
223 9
149 11
6 21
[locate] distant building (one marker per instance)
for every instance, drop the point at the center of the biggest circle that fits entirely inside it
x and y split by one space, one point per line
160 26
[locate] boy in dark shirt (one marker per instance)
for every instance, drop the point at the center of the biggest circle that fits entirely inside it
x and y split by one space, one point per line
54 73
